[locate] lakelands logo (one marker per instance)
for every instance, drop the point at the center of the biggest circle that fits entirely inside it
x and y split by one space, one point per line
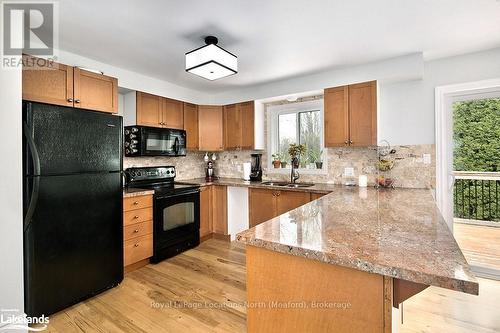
11 319
30 28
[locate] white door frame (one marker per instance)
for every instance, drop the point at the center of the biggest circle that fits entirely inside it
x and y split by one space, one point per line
444 96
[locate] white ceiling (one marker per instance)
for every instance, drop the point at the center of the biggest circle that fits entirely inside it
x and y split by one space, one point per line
274 39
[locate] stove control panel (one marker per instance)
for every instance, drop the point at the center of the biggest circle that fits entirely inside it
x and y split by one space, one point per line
150 174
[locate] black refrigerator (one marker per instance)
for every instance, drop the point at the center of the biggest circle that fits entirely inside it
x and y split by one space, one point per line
73 231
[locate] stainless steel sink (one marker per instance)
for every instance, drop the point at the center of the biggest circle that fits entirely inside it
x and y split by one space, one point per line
297 185
286 184
271 183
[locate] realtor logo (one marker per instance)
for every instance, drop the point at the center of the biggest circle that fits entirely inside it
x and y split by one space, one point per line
28 27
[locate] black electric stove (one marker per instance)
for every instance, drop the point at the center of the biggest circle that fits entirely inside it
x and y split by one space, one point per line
176 210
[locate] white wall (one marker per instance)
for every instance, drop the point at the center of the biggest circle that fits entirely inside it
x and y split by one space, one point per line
407 108
408 67
11 224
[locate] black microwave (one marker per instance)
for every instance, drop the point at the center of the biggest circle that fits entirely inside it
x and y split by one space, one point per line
154 141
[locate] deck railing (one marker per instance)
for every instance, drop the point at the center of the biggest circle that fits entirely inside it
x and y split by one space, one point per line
476 195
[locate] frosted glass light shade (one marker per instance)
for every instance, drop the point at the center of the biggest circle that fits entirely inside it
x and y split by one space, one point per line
211 62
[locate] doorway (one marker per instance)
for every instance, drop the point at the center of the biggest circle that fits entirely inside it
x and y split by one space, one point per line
468 171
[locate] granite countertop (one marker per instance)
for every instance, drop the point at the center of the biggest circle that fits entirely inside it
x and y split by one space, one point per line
398 233
317 188
136 192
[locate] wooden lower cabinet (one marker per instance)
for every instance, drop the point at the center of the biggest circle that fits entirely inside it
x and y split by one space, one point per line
213 211
261 205
315 196
205 211
137 231
264 204
219 209
288 200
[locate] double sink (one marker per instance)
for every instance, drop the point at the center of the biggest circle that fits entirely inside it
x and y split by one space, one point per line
286 184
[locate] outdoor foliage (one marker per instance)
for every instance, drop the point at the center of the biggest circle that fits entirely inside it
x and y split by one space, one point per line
476 133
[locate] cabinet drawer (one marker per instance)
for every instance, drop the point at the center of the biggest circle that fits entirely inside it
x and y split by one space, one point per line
137 230
137 202
138 249
138 215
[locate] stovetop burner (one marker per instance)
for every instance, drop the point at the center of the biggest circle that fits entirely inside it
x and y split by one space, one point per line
159 179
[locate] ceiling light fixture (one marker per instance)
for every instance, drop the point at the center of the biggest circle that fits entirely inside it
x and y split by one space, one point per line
211 62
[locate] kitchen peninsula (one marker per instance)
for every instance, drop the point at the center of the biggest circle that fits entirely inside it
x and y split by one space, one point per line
342 262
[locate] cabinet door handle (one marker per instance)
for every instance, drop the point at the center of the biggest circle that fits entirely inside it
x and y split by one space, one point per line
77 101
346 142
136 217
136 245
70 100
136 203
350 142
136 231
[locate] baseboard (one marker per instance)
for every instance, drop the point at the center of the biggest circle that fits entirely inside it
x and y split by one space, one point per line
136 265
214 235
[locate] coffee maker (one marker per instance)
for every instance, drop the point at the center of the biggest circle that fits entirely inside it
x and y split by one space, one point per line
256 173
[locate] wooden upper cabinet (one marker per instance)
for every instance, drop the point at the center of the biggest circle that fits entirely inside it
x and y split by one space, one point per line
239 126
363 114
95 91
157 111
288 200
68 86
336 114
232 127
210 127
191 125
351 115
248 123
173 113
148 110
52 85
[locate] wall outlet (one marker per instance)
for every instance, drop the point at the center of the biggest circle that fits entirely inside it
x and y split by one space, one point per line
349 172
426 158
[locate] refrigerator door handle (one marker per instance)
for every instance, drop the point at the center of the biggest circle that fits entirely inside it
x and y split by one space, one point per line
36 178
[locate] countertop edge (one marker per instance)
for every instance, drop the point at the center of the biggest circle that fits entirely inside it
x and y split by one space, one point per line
469 287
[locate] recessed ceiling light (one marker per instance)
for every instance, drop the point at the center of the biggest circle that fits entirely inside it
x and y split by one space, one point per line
292 98
211 61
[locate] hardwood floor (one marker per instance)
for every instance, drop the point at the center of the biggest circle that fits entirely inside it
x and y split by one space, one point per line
480 244
203 290
442 310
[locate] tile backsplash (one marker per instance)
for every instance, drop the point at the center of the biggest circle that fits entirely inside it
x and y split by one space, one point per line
409 168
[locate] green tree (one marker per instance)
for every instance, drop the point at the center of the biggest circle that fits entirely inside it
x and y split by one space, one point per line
476 134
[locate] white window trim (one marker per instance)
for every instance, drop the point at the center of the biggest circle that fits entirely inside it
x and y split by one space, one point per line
273 112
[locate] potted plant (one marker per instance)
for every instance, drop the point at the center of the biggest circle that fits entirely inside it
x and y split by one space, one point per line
283 159
276 161
315 156
296 151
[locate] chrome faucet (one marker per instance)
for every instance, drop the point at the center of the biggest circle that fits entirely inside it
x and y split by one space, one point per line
294 175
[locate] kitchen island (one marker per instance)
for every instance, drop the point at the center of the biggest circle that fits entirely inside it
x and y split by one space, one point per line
343 262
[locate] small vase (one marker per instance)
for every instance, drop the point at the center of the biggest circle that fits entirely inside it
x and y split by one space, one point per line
283 165
276 164
319 165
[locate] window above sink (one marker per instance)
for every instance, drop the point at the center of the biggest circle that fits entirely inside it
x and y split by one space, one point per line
300 123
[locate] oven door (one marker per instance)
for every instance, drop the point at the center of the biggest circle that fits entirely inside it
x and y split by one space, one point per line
176 220
163 142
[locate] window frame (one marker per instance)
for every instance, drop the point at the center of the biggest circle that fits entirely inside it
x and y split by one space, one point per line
273 113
